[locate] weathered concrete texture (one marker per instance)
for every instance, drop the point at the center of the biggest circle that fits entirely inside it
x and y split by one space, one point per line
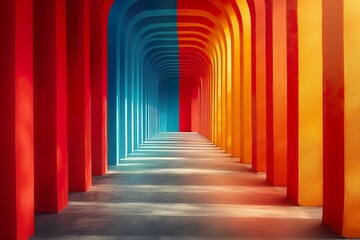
180 186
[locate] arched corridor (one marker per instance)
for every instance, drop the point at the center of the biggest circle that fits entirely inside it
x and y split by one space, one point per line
256 91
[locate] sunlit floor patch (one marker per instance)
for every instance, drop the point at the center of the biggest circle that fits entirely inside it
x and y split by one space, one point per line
202 210
175 171
189 194
188 189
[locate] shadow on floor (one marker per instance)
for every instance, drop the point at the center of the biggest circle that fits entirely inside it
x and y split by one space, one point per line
178 190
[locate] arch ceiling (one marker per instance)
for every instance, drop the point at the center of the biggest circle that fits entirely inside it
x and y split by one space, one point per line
189 47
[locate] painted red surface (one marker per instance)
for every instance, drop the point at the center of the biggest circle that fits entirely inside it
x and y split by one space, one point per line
79 119
253 84
293 103
333 68
61 101
269 89
190 76
8 222
195 111
257 12
104 73
96 87
185 106
24 135
50 121
98 34
192 70
16 99
205 105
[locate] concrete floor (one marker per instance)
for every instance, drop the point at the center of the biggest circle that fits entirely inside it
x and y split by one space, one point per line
180 186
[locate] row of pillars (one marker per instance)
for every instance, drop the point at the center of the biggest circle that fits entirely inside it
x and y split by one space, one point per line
306 105
53 92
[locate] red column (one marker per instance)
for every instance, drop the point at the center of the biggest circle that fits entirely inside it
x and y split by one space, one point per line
184 106
96 88
99 10
104 75
293 99
79 118
50 110
16 122
257 11
208 111
253 84
194 108
333 115
269 84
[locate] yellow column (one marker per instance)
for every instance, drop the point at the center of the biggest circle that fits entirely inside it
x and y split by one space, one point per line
310 102
352 118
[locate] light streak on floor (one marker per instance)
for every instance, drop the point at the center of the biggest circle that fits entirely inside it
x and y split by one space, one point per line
187 194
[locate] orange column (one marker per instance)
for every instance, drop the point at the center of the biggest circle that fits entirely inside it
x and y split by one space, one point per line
16 122
352 118
217 93
253 84
79 129
229 76
305 102
341 49
246 50
212 99
276 92
245 117
50 97
235 18
223 84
